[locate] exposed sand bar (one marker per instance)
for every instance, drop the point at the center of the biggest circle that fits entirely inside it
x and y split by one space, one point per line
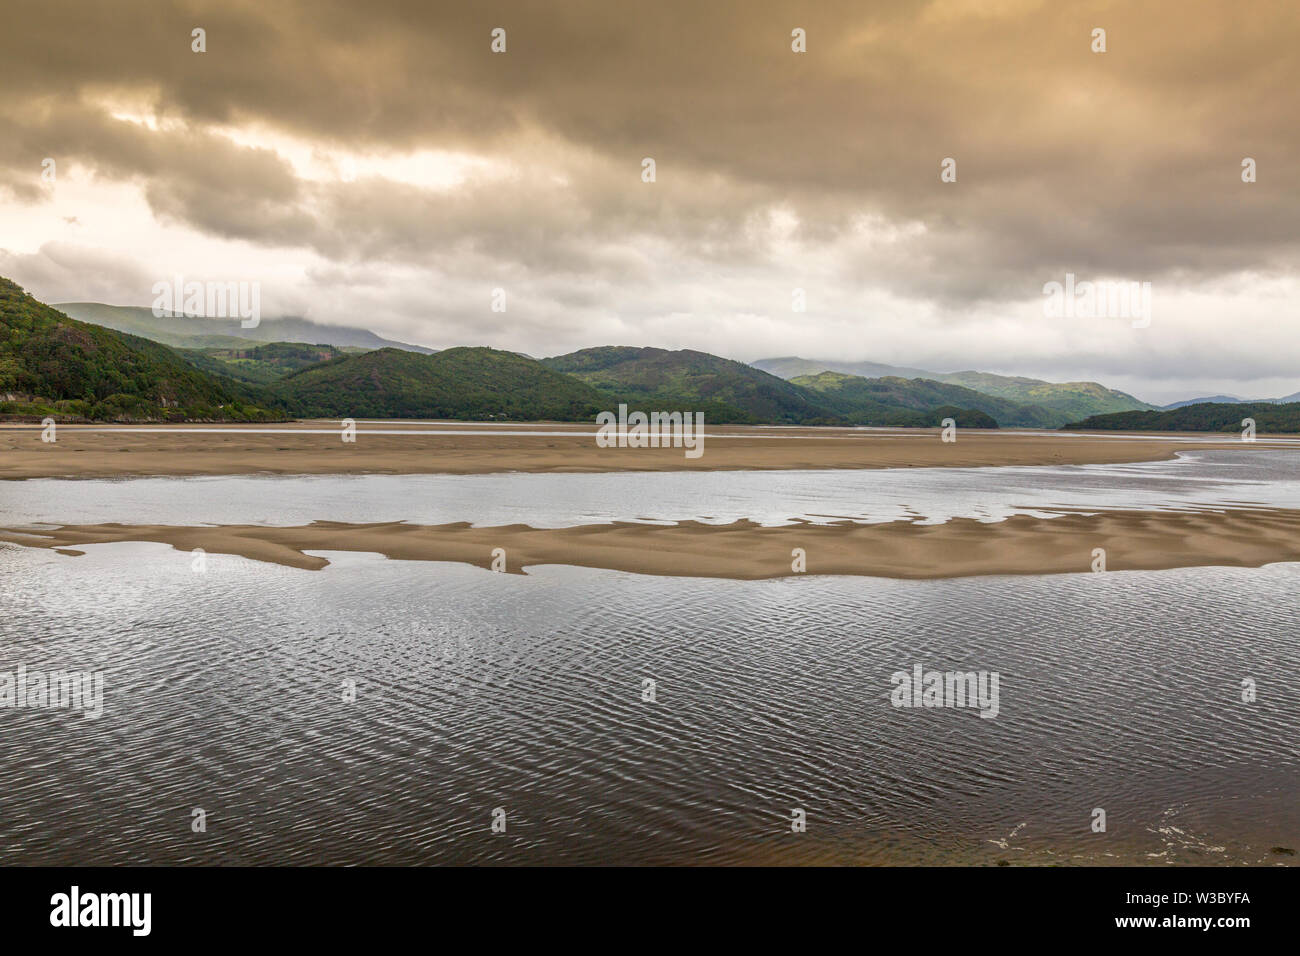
314 448
961 547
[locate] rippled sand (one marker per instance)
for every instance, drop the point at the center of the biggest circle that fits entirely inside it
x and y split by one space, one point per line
1022 544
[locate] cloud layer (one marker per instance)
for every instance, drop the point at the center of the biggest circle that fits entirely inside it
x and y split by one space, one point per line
377 164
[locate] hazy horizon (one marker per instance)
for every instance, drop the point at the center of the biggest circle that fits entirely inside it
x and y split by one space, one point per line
747 361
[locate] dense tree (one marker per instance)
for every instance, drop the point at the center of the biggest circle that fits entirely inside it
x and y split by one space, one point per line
1204 417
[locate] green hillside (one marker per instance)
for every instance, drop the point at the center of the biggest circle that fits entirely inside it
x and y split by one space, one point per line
791 367
876 401
261 364
964 417
1205 417
1069 400
53 365
475 384
1060 401
195 332
725 391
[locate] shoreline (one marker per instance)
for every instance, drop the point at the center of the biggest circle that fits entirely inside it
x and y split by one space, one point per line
316 448
744 550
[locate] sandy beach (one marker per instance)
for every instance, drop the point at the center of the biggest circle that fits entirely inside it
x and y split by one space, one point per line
313 448
744 550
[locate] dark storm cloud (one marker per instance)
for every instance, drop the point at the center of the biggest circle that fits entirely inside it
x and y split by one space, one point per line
1067 159
774 168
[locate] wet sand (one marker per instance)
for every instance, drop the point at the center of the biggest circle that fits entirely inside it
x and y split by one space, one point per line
744 550
1021 545
315 448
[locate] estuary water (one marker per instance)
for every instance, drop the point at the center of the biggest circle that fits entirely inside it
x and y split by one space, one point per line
382 711
1195 480
229 692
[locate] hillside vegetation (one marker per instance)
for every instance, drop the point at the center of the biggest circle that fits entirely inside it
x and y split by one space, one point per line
726 391
1233 400
791 367
465 383
893 400
1209 417
733 392
1051 403
53 365
1067 401
197 332
261 364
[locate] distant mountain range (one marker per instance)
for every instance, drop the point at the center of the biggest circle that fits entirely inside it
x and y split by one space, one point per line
794 367
1233 400
123 363
194 332
1050 403
897 401
724 390
733 392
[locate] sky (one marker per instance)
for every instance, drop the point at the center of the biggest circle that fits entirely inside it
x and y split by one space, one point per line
380 165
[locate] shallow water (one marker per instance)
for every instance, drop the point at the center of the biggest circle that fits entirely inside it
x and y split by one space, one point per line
478 690
1195 480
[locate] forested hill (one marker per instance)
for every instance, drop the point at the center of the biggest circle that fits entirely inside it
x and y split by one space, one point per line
463 383
1206 417
53 365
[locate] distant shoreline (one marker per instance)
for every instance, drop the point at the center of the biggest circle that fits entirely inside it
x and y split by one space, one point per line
316 448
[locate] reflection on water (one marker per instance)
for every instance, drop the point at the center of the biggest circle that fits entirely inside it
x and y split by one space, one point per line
478 690
1202 479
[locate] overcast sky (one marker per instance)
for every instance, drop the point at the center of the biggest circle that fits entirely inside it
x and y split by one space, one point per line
377 164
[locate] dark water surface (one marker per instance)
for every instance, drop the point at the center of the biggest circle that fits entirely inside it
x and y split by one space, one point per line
475 690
